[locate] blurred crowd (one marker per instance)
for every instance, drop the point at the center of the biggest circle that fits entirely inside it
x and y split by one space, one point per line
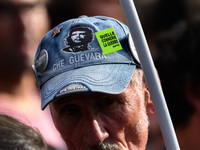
172 30
22 25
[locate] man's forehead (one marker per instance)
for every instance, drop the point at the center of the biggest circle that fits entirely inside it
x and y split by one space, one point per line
92 96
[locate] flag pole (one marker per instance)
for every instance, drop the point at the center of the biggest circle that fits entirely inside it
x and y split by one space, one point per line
150 74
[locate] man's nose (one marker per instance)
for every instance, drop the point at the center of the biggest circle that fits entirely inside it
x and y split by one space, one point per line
95 133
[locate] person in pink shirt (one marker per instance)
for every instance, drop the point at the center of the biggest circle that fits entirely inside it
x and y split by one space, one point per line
22 25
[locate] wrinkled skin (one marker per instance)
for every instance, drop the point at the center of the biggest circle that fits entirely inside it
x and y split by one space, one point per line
98 121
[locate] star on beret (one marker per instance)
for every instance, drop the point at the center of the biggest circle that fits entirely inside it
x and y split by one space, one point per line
56 31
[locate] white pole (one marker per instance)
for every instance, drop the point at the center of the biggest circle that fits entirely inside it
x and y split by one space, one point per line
150 74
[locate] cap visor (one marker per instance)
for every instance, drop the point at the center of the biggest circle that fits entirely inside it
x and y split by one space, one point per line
106 78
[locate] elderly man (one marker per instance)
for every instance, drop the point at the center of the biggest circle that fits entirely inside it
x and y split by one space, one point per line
98 97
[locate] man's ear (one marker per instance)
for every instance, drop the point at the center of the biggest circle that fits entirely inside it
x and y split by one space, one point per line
149 103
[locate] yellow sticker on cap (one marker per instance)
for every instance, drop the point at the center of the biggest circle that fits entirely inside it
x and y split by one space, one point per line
108 41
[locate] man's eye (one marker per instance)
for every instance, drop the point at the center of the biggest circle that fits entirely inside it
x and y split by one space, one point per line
70 109
108 102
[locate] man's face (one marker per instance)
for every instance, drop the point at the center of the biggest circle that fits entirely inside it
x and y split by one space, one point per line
78 36
89 121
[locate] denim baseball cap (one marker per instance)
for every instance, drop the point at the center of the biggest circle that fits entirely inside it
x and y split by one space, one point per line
70 58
